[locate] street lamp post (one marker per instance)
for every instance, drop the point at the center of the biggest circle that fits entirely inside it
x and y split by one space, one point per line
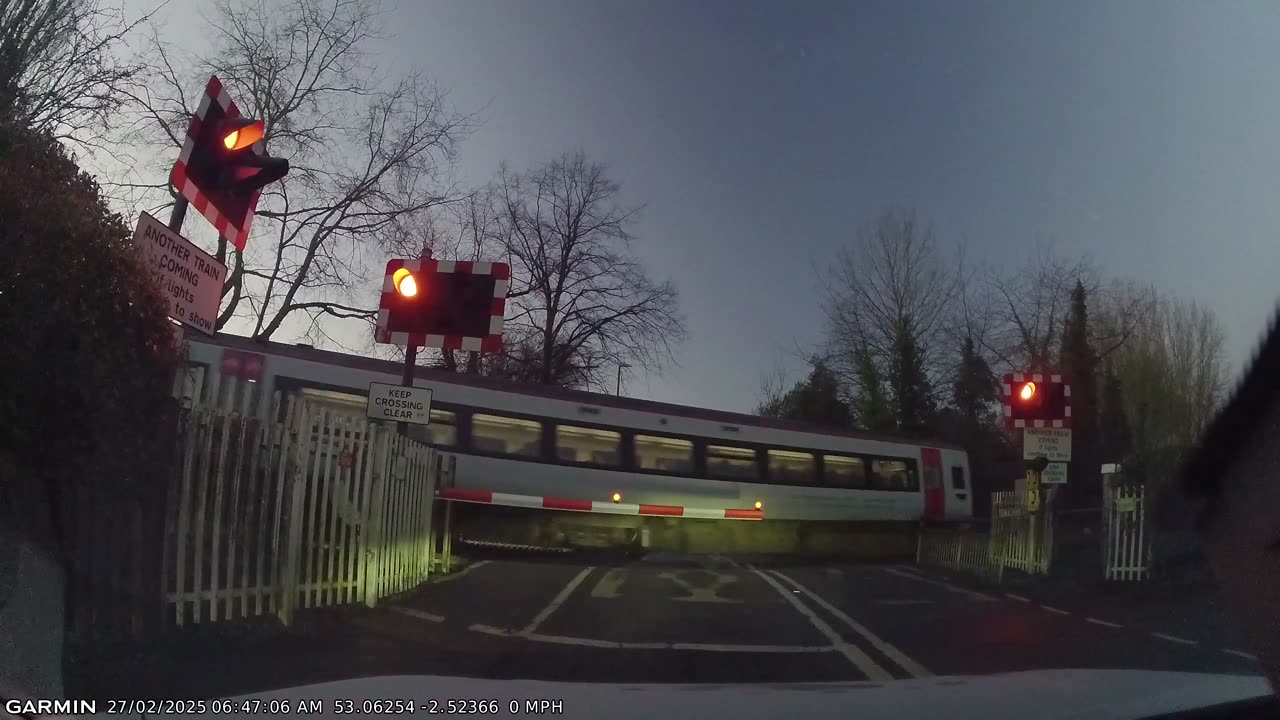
618 391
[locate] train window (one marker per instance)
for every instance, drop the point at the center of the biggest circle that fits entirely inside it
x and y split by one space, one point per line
893 475
664 453
731 463
791 467
509 436
443 429
587 445
957 477
844 471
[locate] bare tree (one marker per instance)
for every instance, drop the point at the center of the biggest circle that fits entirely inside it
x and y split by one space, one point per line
1030 305
888 286
581 304
1172 368
370 157
60 71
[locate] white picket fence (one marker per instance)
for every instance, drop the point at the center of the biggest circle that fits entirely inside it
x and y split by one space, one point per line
967 551
1016 539
1126 544
324 508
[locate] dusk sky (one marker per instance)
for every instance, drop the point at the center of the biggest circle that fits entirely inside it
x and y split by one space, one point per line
1144 135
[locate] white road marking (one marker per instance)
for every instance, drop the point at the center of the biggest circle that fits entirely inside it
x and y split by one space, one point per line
855 655
1242 654
608 585
558 600
912 667
1057 611
1103 623
1019 598
703 647
463 571
906 602
420 614
702 594
939 583
1173 638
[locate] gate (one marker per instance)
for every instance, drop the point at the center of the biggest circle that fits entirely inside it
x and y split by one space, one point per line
1023 539
324 508
1126 545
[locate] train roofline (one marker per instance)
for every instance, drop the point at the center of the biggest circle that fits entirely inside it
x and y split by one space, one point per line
298 351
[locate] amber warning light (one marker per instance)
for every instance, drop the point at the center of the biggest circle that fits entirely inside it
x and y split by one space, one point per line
243 134
404 283
1028 391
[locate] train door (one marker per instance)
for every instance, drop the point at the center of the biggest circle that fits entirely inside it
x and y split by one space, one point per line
935 494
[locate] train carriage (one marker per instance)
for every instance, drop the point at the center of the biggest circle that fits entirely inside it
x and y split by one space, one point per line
542 441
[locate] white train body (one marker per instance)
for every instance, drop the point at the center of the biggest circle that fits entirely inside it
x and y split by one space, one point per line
542 441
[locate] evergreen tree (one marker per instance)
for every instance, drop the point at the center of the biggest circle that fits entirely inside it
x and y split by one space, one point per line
912 395
872 408
1078 363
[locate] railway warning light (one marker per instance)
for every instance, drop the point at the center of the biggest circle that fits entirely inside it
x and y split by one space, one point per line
617 497
224 164
1028 391
405 283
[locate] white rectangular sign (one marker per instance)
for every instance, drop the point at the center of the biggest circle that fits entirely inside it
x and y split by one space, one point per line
1054 474
399 403
190 279
1051 443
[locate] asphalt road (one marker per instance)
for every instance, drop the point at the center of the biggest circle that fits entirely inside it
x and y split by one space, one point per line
694 620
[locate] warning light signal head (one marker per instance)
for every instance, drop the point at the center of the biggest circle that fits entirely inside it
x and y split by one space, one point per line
241 133
406 285
1028 391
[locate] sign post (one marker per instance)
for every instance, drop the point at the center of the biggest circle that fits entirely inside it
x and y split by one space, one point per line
446 304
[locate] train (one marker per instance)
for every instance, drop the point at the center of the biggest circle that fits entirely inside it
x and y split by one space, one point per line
543 441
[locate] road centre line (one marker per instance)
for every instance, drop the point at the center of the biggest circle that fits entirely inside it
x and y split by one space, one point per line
912 667
939 583
463 571
1239 653
414 612
1173 638
1103 623
1056 611
854 654
1019 598
558 600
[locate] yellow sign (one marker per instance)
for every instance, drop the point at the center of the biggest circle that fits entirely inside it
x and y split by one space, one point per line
1033 490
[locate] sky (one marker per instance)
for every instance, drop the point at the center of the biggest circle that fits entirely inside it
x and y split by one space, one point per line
759 136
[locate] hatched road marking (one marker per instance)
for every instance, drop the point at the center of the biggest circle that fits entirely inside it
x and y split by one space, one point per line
1103 623
1239 653
617 645
558 600
855 655
1056 611
912 667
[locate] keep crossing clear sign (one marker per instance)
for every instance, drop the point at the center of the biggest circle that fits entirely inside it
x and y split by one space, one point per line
189 278
399 403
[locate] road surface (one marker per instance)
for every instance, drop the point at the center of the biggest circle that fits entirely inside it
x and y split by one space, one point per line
693 620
